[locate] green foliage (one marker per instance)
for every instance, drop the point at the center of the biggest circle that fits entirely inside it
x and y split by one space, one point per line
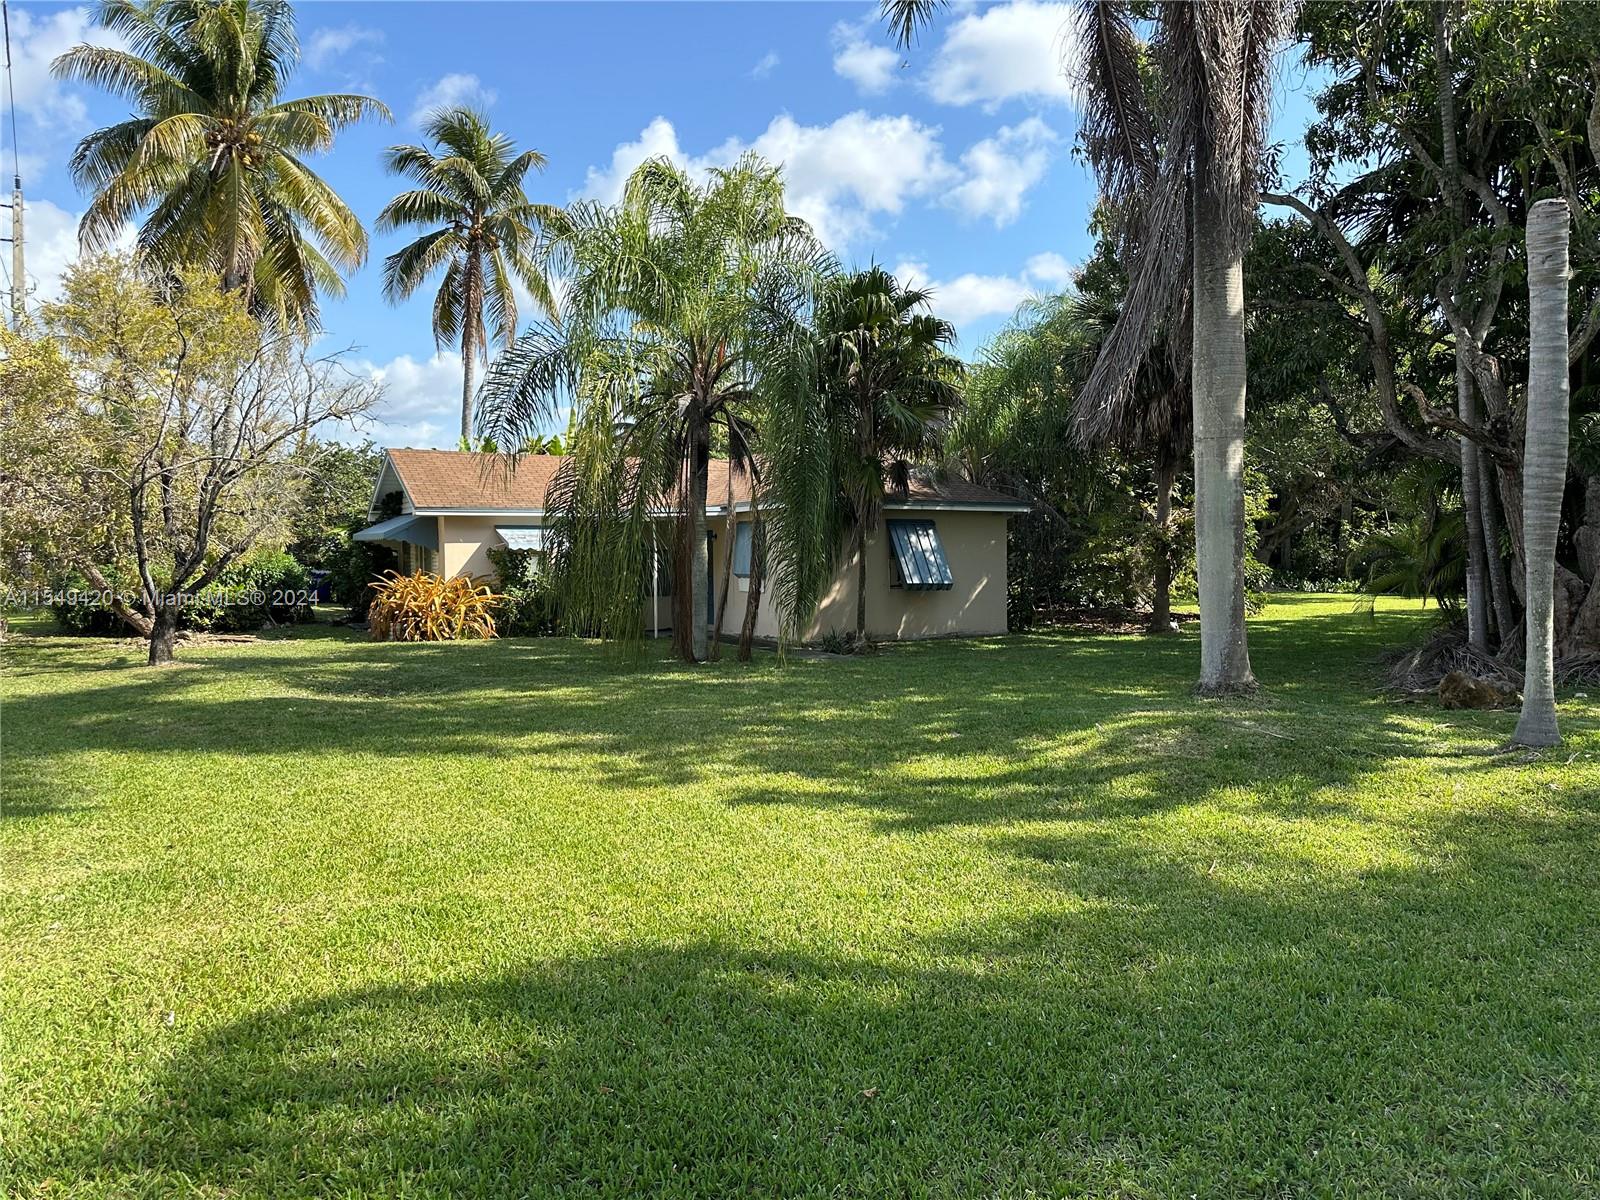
268 588
683 315
214 157
529 605
354 570
333 505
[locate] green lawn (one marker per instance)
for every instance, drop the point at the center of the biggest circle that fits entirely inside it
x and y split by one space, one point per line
313 916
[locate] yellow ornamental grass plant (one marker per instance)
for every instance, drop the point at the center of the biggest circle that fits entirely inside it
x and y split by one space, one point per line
427 608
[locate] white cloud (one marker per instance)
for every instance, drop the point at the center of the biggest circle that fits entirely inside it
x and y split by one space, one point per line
1001 169
839 177
36 41
1007 52
972 297
656 140
967 297
762 69
1050 269
421 403
50 237
332 42
871 67
454 88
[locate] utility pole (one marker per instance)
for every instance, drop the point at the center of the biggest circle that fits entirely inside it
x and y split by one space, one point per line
19 279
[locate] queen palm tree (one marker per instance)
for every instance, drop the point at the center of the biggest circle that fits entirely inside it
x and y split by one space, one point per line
483 233
887 381
1181 166
683 316
1544 459
214 158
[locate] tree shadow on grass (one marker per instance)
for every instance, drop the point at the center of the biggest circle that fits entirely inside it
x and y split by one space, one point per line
1425 1027
928 737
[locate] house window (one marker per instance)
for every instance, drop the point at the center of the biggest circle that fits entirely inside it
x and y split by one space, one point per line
742 542
917 560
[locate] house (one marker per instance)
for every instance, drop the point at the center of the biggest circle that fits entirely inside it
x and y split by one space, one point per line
935 568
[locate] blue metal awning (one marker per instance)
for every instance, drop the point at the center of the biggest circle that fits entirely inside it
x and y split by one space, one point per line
521 537
920 554
418 531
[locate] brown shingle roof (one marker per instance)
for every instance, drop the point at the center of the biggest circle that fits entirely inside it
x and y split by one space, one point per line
454 479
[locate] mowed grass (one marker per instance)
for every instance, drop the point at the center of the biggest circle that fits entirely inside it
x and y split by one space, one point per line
315 917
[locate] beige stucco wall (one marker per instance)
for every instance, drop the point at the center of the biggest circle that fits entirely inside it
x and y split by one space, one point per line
974 543
465 542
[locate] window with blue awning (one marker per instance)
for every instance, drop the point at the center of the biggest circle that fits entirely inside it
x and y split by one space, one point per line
920 556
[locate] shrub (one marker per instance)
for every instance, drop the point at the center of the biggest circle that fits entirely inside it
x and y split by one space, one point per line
835 642
427 608
528 600
354 572
269 587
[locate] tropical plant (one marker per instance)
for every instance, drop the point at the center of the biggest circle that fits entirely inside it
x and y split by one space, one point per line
683 317
888 383
483 233
214 158
424 607
1545 460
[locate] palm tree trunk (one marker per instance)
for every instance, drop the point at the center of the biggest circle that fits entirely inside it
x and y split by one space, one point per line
699 560
470 340
861 581
1505 610
758 578
1219 400
1544 460
727 569
1161 602
1472 505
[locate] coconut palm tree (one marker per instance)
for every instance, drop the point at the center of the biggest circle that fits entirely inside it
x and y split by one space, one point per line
887 381
214 158
483 234
683 317
1181 167
1544 469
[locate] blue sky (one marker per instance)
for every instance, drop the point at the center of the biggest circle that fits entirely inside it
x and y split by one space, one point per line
952 163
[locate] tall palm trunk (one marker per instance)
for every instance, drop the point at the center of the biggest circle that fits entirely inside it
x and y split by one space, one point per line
471 342
1544 460
758 578
730 528
699 559
1219 399
1161 602
1472 504
861 582
1505 612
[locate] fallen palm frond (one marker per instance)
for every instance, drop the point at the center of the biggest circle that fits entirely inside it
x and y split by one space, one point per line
428 608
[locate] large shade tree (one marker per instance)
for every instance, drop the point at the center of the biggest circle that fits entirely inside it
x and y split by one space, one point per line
888 382
213 160
683 319
482 235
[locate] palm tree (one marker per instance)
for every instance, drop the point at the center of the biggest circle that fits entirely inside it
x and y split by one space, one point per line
887 382
683 315
483 232
1181 166
215 157
1544 469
